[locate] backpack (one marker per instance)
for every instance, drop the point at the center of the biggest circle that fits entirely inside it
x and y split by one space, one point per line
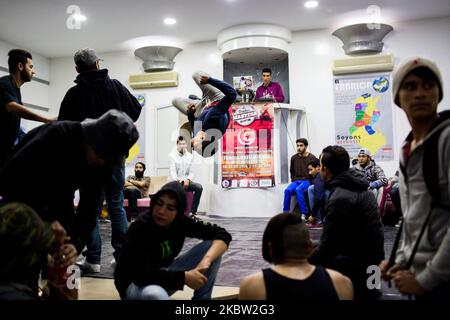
430 167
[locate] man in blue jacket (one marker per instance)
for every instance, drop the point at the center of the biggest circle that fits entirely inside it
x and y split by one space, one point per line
209 127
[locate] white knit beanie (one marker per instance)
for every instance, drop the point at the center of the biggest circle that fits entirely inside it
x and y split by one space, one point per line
406 66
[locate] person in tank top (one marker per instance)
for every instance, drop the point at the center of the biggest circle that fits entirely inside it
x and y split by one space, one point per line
287 245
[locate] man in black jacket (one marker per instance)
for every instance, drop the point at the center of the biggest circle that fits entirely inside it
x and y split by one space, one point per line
150 268
93 95
352 237
54 160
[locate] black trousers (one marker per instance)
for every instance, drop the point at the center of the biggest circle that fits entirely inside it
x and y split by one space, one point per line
132 195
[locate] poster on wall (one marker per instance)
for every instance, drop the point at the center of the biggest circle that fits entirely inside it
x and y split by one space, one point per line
243 83
363 114
137 151
247 147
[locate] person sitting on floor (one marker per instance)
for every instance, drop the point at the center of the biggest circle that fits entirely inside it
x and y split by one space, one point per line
136 187
25 240
286 244
150 268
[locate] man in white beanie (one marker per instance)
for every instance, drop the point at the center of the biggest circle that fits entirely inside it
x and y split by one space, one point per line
422 259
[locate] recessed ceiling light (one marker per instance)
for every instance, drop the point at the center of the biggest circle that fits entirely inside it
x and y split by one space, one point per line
170 21
79 17
311 4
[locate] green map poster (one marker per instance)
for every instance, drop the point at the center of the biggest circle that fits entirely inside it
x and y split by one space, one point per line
363 114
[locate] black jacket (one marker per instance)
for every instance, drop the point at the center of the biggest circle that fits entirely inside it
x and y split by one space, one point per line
15 291
94 94
149 247
352 226
45 169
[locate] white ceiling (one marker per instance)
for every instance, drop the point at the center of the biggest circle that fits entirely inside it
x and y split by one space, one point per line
40 25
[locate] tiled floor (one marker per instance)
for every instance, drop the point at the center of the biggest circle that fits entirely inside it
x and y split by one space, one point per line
104 289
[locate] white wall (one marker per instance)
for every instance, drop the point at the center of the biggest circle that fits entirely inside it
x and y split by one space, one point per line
32 92
310 61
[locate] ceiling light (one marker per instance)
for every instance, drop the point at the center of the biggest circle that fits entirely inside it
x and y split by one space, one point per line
79 17
311 4
170 21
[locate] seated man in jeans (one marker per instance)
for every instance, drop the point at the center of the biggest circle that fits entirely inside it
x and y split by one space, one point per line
150 266
136 187
180 168
300 178
317 194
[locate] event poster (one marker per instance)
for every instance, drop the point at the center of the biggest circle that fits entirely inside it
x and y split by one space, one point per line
247 147
137 151
363 114
243 83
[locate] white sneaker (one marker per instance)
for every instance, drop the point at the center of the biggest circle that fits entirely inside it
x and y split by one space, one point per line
113 263
90 267
80 260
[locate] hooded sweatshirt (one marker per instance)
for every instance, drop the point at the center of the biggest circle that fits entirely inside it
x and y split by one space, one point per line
432 260
352 226
94 94
375 175
148 247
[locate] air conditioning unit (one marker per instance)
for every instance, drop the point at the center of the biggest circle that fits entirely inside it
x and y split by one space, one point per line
154 80
372 63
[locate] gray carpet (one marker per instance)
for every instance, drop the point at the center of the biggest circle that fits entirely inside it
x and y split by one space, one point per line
245 253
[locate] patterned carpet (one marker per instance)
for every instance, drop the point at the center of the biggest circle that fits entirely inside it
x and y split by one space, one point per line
245 253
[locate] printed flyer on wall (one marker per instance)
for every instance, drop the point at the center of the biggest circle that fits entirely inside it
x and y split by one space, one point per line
363 114
247 147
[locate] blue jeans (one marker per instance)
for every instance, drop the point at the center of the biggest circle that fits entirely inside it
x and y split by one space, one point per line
197 189
185 262
117 215
151 292
298 187
313 200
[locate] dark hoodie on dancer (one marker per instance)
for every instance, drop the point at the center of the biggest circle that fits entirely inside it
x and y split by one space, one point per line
149 248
